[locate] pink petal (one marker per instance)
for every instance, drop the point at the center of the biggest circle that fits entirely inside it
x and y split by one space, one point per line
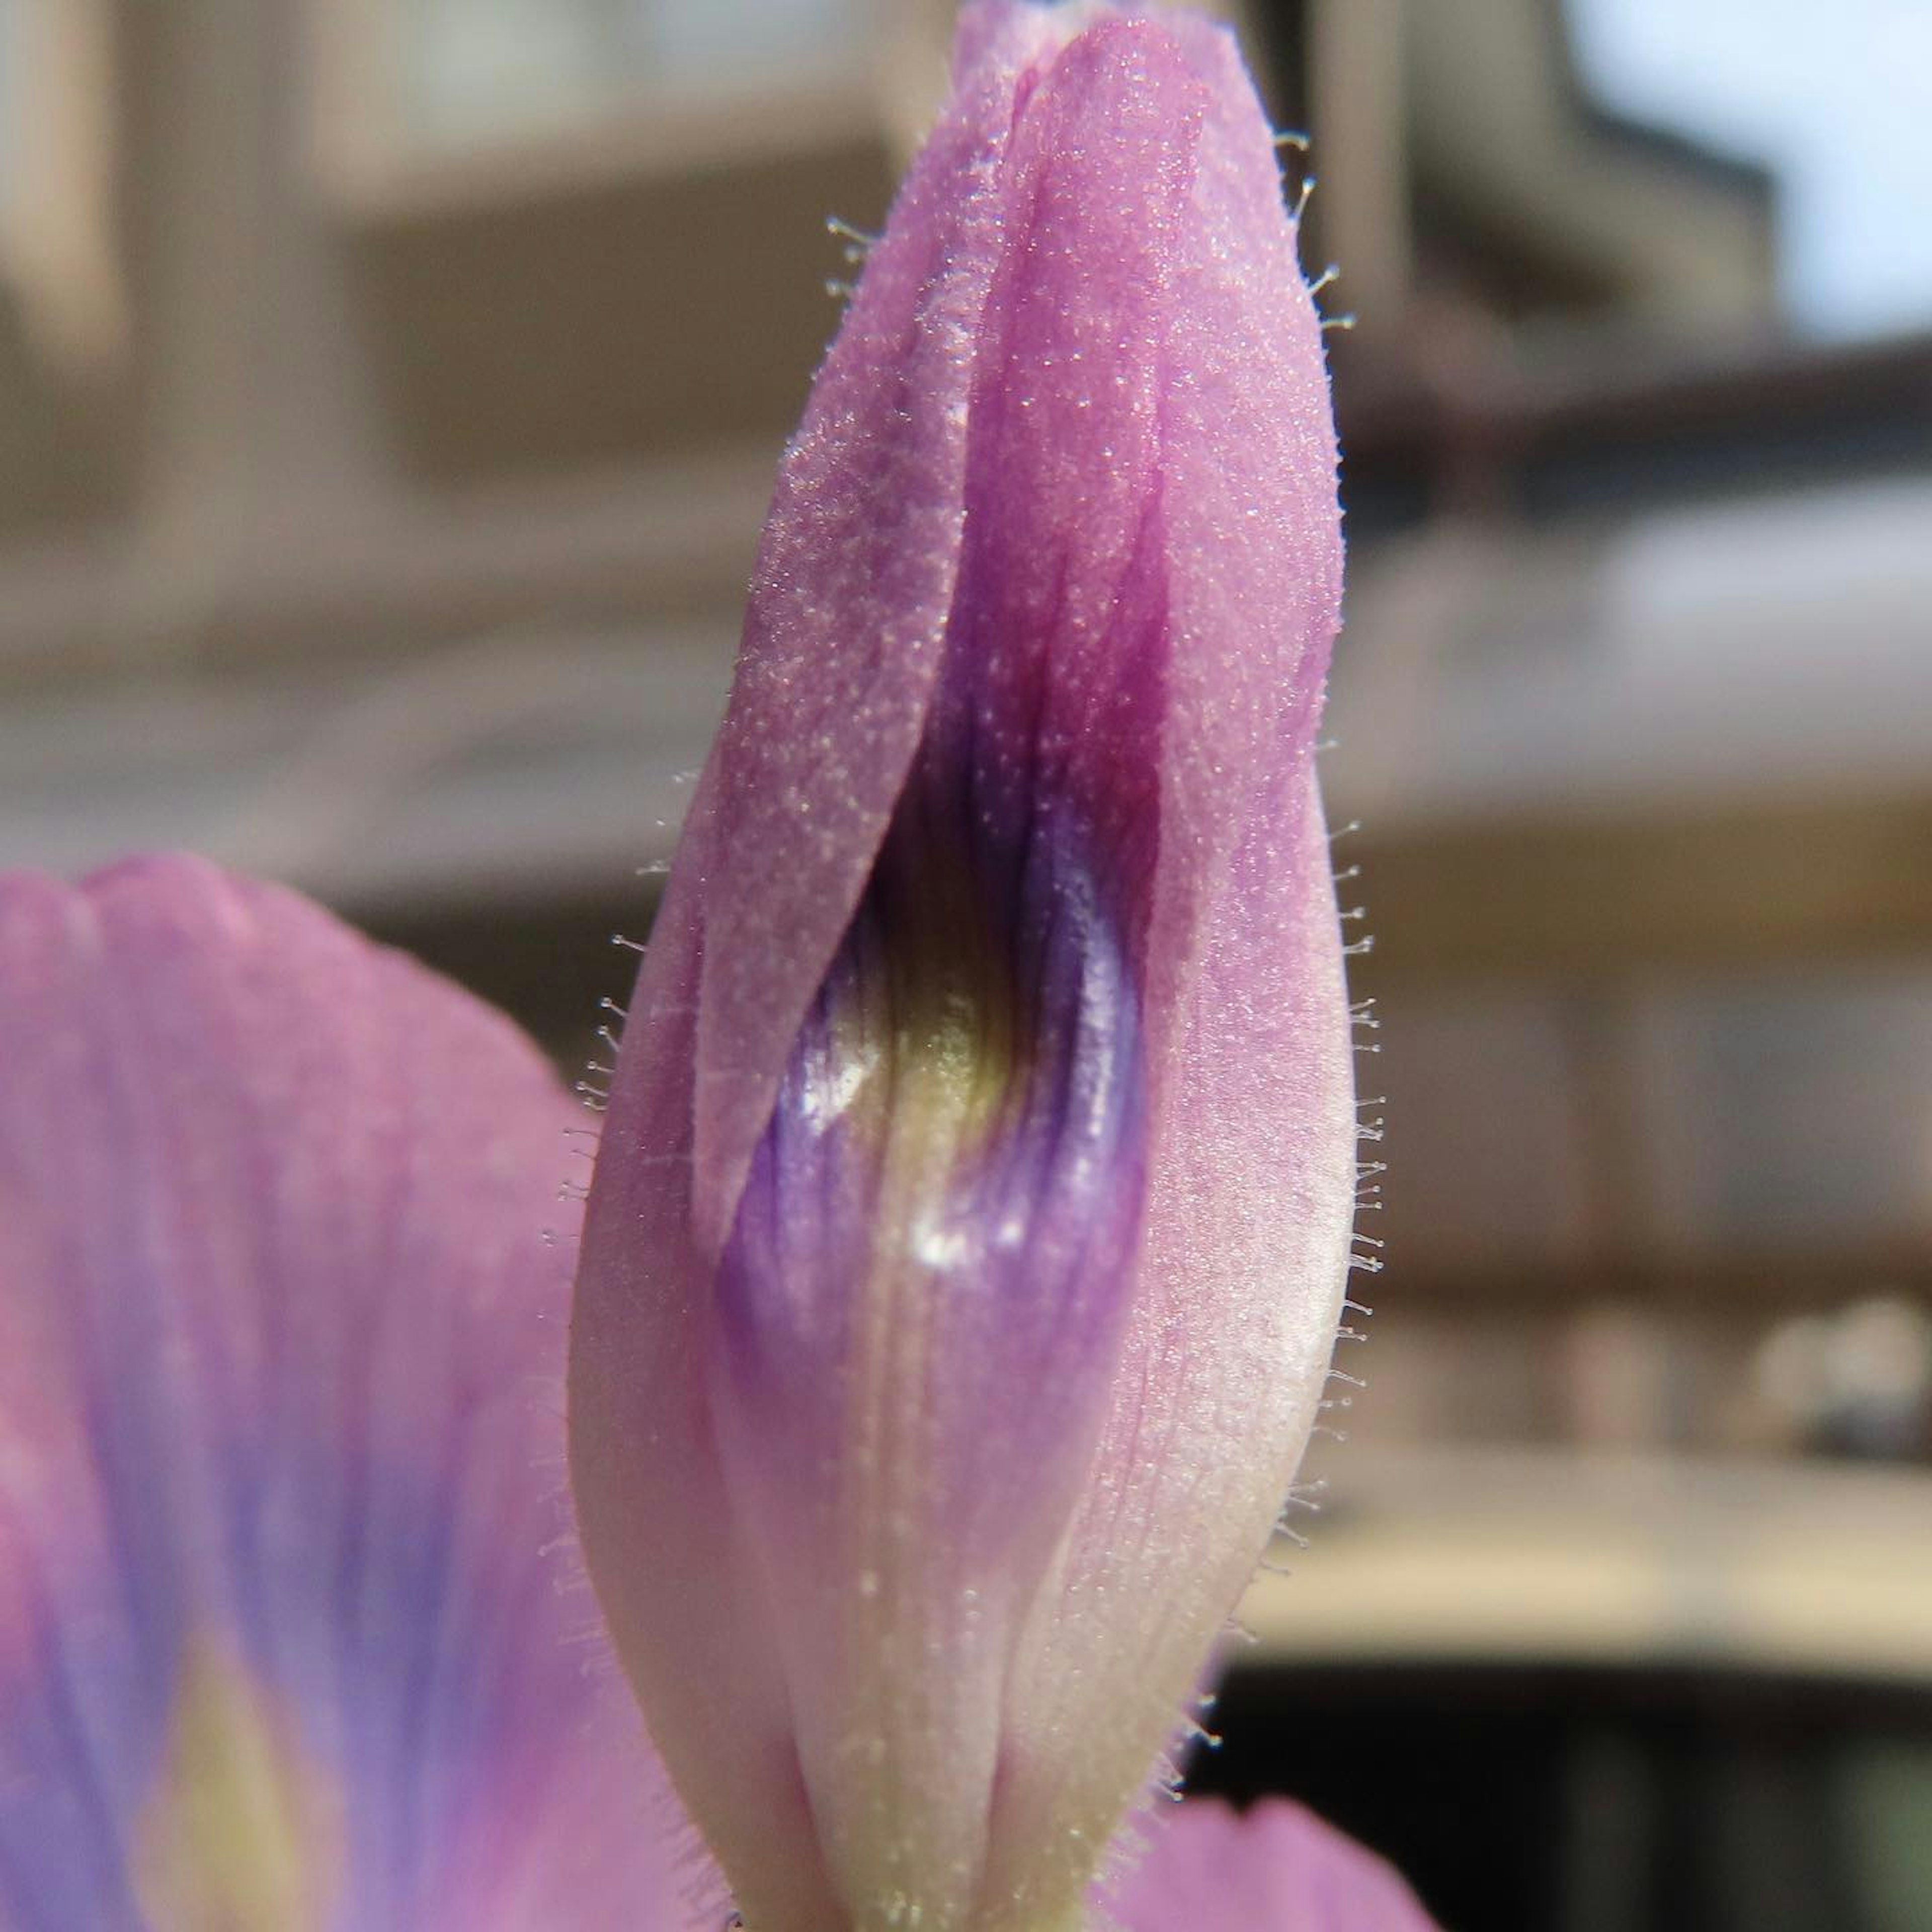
1275 1868
1056 551
841 651
844 639
284 1615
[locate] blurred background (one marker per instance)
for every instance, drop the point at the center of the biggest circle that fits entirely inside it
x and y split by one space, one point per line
389 390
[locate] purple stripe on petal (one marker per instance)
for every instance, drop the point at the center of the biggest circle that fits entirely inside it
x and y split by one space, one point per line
1058 643
919 1307
281 1637
843 637
1025 1208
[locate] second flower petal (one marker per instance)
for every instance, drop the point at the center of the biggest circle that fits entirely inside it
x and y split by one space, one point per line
283 1641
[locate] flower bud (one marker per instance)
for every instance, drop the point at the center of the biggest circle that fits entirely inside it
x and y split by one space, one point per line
972 1213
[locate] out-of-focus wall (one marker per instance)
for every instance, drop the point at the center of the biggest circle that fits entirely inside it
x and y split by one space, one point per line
390 389
391 392
1634 708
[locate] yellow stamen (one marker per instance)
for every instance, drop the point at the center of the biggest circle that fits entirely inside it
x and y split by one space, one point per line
240 1833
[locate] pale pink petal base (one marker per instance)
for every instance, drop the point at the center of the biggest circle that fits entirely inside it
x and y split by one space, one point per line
1277 1868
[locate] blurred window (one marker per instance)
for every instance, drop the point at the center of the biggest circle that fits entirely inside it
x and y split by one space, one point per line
1789 1113
1772 1114
1885 1805
471 71
1486 1090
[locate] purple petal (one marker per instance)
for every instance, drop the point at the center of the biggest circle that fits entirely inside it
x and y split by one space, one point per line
967 1244
841 653
286 1633
844 639
1275 1868
1250 1186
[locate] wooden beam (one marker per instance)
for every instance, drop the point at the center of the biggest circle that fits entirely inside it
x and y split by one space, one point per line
1718 1285
1734 886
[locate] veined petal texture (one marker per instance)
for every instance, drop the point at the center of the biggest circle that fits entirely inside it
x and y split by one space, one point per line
288 1641
972 1214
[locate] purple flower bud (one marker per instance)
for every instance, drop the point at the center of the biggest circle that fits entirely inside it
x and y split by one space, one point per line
972 1215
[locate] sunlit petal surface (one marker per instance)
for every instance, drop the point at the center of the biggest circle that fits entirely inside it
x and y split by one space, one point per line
1275 1868
968 1237
290 1636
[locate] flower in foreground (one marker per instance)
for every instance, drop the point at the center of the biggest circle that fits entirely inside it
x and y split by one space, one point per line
287 1640
969 1230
